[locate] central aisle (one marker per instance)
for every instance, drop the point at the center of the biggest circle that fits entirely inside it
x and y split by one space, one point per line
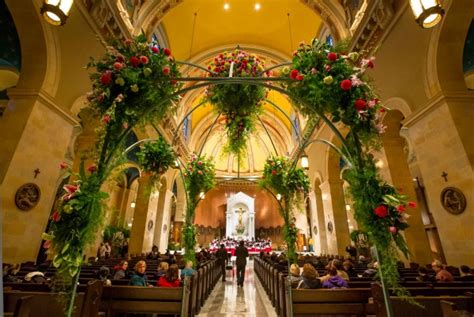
227 299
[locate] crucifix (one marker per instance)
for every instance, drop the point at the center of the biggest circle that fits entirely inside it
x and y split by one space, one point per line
445 176
36 171
240 212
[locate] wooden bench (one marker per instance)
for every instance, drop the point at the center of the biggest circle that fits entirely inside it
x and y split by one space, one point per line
451 309
135 299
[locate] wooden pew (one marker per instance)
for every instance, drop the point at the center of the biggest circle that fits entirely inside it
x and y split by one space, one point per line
135 299
451 309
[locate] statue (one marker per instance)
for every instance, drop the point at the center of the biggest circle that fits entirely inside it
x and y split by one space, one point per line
240 228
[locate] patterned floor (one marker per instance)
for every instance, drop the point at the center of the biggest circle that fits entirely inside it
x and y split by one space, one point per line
227 299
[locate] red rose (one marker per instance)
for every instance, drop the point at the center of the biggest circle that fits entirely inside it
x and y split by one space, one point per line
118 66
167 51
106 119
134 61
55 216
120 58
166 70
217 70
106 78
294 73
346 84
63 165
155 49
370 64
381 211
100 97
92 168
382 109
332 57
200 163
393 230
274 172
401 209
144 59
412 204
299 77
360 104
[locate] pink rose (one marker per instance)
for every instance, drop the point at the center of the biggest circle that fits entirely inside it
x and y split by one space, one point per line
144 59
106 119
393 229
118 66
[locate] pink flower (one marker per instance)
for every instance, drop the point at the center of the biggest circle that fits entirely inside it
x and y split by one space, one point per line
393 229
55 216
70 192
199 172
200 163
314 71
372 103
92 168
381 128
63 165
356 82
144 59
401 209
327 68
106 119
118 66
381 211
412 204
47 244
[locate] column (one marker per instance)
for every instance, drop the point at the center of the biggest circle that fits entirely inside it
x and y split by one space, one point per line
162 223
251 232
140 216
335 213
229 228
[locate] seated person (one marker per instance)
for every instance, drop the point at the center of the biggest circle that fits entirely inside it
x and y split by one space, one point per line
335 280
466 274
371 271
162 268
441 274
349 269
9 273
294 276
37 277
121 270
188 270
309 278
171 279
103 275
139 278
423 275
154 254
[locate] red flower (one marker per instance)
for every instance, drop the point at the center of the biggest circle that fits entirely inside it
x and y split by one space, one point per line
393 229
299 77
346 84
332 57
401 209
155 49
274 172
55 216
382 109
92 168
381 211
134 61
106 77
128 42
63 165
71 189
200 163
199 172
360 104
167 51
118 66
294 73
144 59
412 204
166 70
173 82
106 119
370 64
47 244
120 58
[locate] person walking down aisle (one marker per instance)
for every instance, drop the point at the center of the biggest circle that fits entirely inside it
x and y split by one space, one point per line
222 257
241 254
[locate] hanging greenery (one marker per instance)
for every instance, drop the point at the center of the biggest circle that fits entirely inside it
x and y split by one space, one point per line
156 157
289 183
239 103
199 178
327 81
131 85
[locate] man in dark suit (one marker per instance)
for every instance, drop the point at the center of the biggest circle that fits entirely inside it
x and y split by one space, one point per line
241 254
222 257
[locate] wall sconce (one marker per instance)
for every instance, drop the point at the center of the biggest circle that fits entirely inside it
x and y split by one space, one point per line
56 12
278 197
304 161
427 13
133 204
202 195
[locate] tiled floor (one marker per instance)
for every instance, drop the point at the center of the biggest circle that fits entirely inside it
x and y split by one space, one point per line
229 300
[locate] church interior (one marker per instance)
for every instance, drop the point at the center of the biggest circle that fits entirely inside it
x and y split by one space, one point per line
421 55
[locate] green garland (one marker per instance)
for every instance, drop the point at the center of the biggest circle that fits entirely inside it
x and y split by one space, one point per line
290 183
239 103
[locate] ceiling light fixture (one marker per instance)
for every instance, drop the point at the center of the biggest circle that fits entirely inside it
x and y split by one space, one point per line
226 6
257 6
56 12
427 13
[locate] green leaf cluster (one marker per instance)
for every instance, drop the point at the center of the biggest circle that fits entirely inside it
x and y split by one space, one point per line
156 157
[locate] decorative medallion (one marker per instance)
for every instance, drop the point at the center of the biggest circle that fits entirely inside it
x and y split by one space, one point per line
150 225
315 230
330 227
453 200
165 227
27 196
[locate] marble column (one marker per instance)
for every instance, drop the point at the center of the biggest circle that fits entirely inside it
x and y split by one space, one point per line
162 222
335 213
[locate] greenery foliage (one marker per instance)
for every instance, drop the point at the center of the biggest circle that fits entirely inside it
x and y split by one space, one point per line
239 103
110 231
156 157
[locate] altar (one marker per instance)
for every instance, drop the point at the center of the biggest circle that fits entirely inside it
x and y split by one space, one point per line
240 217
